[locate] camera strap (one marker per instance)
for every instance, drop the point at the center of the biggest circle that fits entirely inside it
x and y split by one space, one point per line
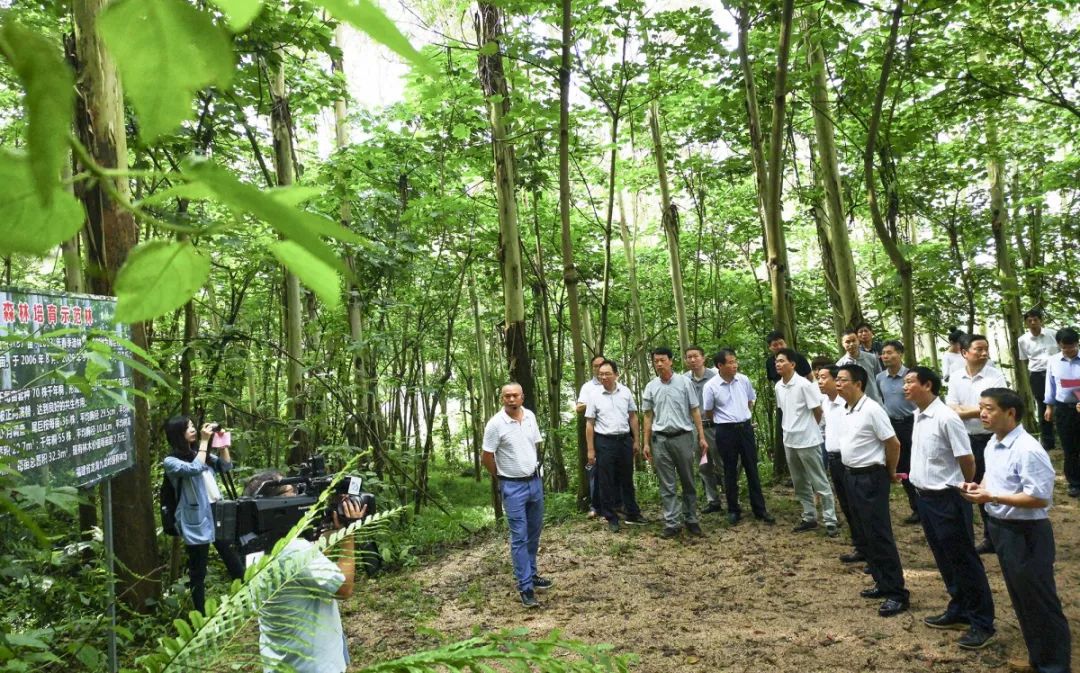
230 485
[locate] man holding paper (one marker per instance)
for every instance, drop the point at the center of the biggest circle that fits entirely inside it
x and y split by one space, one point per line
1062 397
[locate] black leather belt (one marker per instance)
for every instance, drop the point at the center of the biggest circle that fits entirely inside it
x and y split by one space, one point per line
621 435
864 470
532 476
670 433
728 425
932 492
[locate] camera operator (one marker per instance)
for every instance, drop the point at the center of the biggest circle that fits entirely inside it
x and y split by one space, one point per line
191 469
299 626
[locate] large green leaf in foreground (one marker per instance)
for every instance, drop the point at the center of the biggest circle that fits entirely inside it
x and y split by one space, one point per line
26 225
157 277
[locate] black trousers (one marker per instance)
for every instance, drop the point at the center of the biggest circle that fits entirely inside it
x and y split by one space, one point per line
1026 552
946 519
868 493
836 473
978 448
1046 428
615 473
1067 422
735 443
199 559
903 429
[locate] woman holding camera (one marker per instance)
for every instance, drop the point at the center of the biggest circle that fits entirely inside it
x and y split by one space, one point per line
191 469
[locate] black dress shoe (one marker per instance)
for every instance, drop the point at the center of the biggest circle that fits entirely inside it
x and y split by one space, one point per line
805 526
712 508
912 519
669 533
872 592
766 518
694 529
947 621
1074 491
734 518
854 557
986 547
975 639
892 607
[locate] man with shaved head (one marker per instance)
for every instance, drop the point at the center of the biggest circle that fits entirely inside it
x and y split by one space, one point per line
511 441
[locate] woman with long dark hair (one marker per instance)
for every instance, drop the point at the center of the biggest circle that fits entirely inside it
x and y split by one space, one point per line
191 468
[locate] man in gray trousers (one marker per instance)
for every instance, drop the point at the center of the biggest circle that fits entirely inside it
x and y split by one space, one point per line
672 417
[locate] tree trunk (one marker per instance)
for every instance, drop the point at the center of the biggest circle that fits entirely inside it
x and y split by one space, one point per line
111 234
571 278
670 221
640 347
843 262
888 239
1010 289
490 69
281 126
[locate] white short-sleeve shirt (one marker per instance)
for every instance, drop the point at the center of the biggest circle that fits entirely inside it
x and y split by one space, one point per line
1036 350
1017 463
513 443
965 390
797 399
866 428
834 412
610 410
937 440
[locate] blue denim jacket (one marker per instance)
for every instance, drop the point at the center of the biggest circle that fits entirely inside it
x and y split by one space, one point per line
194 519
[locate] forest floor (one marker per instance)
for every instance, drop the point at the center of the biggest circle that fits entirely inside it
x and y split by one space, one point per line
744 598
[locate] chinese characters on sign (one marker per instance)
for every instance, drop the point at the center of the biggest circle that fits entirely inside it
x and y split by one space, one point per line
49 430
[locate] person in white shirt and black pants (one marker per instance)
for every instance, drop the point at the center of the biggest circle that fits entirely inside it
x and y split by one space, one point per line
870 451
941 460
1035 347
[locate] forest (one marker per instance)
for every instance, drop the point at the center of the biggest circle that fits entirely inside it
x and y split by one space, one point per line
338 227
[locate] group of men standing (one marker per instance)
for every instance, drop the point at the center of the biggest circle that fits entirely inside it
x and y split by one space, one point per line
867 423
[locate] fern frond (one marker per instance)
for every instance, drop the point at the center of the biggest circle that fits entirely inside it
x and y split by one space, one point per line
512 650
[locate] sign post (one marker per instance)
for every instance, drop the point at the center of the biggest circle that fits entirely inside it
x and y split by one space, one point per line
66 417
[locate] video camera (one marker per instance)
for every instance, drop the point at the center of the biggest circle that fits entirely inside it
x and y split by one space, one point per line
254 523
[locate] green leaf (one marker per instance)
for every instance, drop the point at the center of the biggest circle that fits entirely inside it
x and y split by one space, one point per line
460 131
192 191
322 279
296 194
25 225
240 13
366 16
166 50
303 228
49 102
157 277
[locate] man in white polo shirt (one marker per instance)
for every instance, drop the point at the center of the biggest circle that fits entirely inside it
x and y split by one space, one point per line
1017 490
941 460
511 441
870 451
800 406
1036 347
611 436
587 389
965 386
834 410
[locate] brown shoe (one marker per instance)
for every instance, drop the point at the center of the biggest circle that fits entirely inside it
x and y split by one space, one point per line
1020 666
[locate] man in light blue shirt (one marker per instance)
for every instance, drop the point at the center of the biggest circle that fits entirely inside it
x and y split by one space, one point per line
1017 490
728 401
890 382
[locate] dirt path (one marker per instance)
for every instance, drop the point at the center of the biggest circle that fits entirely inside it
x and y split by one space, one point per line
745 598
